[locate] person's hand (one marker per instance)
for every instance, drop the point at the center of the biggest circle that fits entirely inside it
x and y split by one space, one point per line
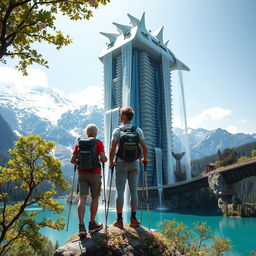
144 160
112 165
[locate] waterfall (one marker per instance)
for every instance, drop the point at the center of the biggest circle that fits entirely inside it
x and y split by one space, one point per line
185 137
159 170
126 97
167 93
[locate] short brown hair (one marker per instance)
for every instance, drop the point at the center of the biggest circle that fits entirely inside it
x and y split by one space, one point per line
128 112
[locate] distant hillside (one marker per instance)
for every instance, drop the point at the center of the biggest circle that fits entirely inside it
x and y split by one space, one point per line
197 166
7 138
244 189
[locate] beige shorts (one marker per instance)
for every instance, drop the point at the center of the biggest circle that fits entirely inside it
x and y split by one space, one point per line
89 180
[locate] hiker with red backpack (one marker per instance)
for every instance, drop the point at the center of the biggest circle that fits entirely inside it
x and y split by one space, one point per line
87 155
128 140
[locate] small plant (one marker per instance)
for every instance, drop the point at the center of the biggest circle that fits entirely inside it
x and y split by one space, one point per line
113 240
157 244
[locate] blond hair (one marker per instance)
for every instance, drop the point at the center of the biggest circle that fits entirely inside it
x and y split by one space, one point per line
91 130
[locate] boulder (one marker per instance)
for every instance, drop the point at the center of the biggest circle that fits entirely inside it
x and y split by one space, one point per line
116 242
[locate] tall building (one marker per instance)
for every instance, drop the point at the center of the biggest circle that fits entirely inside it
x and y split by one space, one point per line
137 73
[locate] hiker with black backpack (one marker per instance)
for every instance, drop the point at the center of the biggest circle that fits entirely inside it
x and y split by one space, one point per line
128 140
88 154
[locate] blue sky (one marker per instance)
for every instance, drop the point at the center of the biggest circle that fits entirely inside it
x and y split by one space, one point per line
215 38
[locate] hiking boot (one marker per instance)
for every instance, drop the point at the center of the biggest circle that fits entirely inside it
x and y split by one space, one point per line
118 224
82 231
94 227
134 223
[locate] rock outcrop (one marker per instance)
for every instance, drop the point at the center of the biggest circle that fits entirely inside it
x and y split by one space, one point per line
115 242
222 190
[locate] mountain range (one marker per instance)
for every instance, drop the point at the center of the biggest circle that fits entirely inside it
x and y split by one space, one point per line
54 116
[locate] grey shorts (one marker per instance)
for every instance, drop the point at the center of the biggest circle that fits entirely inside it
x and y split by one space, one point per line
89 180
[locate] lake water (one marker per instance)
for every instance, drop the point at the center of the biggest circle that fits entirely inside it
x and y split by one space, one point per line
241 231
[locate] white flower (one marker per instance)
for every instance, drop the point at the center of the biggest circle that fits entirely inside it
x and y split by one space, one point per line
41 25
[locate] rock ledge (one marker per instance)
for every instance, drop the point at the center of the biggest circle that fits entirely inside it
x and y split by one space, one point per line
116 242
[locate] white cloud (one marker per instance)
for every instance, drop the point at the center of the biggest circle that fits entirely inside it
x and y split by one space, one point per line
36 77
232 129
91 95
210 114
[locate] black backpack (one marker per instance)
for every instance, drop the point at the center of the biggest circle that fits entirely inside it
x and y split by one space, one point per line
129 149
87 158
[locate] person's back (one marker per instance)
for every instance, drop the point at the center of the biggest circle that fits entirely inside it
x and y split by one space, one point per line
127 162
87 155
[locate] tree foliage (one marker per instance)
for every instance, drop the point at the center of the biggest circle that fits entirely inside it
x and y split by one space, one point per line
253 153
228 156
192 242
24 22
31 164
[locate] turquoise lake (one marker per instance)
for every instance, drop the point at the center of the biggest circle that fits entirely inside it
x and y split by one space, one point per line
241 231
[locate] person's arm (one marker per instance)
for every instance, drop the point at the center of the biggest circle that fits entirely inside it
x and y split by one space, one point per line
101 152
144 152
112 153
103 157
74 156
73 159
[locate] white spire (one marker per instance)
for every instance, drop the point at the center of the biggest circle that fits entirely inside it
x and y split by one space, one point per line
159 34
142 22
122 28
111 36
133 21
166 43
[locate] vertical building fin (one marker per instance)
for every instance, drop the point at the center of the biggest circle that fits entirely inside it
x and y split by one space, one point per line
159 34
133 21
122 29
142 25
111 36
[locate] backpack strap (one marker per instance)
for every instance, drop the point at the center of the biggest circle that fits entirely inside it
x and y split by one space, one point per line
122 128
133 129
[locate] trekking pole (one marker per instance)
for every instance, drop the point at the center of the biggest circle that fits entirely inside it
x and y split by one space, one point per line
71 196
142 196
104 194
109 193
146 182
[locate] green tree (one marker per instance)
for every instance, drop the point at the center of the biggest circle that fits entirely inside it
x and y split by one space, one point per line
228 157
31 164
192 242
24 22
243 158
253 153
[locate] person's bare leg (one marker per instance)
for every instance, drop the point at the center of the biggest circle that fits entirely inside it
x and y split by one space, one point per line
81 208
93 225
94 208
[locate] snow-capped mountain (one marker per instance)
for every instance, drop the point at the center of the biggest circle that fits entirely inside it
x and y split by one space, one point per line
47 112
204 143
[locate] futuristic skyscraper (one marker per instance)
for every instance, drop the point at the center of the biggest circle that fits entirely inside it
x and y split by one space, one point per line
137 73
